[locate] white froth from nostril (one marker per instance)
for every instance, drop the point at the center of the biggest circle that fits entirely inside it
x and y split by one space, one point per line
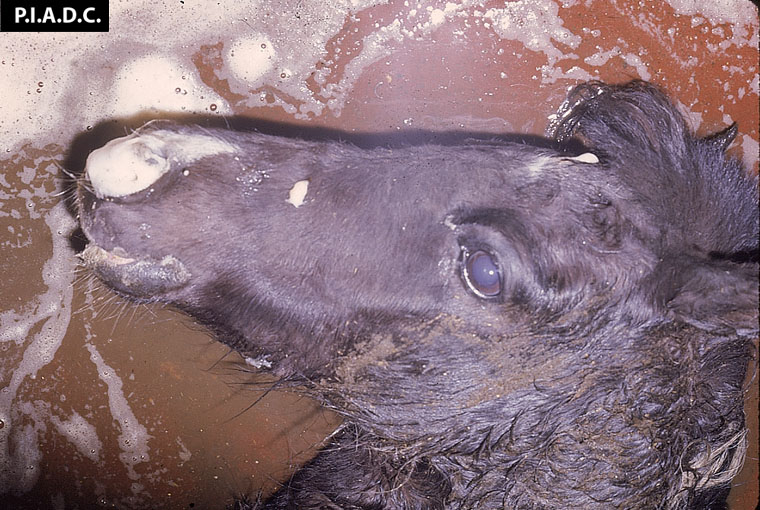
297 193
126 165
130 164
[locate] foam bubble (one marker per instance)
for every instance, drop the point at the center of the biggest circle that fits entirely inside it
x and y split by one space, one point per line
251 58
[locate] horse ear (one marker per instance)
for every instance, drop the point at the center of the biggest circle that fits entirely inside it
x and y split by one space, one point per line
723 139
711 294
704 203
634 122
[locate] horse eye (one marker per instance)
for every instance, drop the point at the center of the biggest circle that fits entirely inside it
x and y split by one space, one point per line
481 274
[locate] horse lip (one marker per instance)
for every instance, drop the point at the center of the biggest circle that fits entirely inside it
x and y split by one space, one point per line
144 277
94 256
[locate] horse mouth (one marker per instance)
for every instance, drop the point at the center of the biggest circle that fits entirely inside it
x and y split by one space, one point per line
144 278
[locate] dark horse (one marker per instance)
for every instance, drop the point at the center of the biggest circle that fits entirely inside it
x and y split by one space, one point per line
501 325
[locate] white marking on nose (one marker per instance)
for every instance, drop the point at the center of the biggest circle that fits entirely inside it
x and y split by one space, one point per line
297 193
132 163
126 165
586 157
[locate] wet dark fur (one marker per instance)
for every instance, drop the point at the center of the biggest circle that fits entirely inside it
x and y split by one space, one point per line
607 373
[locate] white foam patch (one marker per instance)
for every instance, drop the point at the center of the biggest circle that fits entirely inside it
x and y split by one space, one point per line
601 57
81 82
275 60
739 16
738 12
375 47
133 439
437 17
693 118
25 443
146 63
250 58
159 83
635 61
535 23
754 84
267 51
81 434
297 193
296 72
551 73
184 454
51 312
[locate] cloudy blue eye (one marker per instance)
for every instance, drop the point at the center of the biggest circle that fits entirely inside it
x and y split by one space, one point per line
481 274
